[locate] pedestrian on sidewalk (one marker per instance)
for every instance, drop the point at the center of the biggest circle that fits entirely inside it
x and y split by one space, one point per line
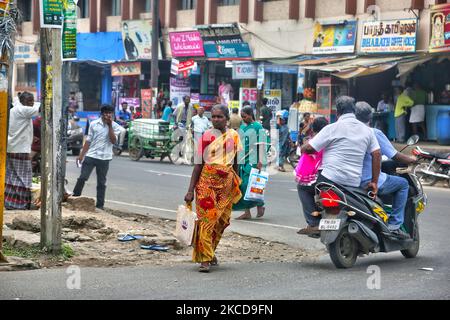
404 101
306 174
216 186
97 152
284 142
252 132
18 162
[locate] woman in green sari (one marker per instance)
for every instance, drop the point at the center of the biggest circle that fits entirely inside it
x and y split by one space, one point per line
251 133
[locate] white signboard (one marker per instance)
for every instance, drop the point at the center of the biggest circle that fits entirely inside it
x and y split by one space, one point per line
260 81
274 99
244 70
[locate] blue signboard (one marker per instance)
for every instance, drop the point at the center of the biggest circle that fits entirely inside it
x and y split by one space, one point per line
279 68
227 50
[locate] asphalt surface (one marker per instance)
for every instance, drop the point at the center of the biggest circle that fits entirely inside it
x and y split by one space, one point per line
155 188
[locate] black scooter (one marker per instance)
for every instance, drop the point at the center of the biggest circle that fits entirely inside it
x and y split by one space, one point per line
355 223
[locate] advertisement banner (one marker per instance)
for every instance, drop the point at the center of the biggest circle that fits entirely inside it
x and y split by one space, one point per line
137 39
440 28
274 99
244 70
174 66
261 73
208 101
126 69
248 94
234 104
228 50
393 36
69 32
186 44
147 103
334 38
51 13
179 88
300 80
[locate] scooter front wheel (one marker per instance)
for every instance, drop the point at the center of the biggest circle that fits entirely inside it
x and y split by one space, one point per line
343 251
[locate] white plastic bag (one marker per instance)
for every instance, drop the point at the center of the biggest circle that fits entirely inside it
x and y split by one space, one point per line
256 185
184 230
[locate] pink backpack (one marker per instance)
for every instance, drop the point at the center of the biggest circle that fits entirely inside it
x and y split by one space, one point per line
308 167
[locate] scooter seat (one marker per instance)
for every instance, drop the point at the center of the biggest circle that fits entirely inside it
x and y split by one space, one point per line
440 155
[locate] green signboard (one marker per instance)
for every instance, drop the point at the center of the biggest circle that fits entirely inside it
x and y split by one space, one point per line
69 32
51 13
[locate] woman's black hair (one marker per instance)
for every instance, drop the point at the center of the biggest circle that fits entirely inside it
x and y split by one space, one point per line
248 110
224 109
318 124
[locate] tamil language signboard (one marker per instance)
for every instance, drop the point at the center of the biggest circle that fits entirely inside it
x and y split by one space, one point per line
69 32
51 13
440 28
334 38
186 44
389 36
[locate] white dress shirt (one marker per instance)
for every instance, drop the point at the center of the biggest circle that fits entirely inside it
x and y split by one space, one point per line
100 144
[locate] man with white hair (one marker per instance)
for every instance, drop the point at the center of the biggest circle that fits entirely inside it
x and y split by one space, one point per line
387 184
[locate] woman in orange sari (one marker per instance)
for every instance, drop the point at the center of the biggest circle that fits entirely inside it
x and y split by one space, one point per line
216 186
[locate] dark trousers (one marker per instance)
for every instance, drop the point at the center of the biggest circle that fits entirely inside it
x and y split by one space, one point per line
306 195
101 169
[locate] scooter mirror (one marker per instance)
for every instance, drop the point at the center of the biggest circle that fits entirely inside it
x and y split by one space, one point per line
412 140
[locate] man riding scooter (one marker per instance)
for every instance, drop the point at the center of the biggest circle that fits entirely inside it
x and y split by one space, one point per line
387 184
345 144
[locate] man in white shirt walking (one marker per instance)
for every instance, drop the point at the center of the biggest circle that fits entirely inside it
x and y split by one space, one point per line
97 152
18 163
200 123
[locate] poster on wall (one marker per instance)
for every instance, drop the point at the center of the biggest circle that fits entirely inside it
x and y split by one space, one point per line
440 28
69 31
393 36
147 103
179 88
137 39
334 38
274 99
51 13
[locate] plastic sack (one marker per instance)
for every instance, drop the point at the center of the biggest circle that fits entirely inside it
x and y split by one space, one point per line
257 182
185 226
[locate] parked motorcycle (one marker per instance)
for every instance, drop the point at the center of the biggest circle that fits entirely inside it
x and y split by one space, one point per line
355 223
74 136
435 166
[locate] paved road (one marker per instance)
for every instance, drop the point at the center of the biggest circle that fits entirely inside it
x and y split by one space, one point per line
157 189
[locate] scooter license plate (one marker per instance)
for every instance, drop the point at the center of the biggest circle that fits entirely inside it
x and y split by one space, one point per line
329 224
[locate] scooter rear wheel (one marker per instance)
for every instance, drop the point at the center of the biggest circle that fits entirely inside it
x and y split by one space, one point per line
344 251
414 249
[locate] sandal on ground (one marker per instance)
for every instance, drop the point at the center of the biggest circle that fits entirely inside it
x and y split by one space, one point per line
204 268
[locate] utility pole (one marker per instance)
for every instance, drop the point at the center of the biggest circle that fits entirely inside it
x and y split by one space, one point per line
155 48
52 182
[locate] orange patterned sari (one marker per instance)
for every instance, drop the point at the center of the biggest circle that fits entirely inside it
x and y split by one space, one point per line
216 192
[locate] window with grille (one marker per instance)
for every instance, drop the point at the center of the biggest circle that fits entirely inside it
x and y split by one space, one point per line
187 4
84 9
27 75
26 9
116 9
229 2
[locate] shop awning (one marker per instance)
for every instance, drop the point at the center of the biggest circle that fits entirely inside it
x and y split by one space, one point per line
364 66
100 46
